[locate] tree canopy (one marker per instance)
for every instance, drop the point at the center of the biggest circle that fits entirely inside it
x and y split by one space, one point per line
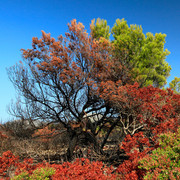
142 54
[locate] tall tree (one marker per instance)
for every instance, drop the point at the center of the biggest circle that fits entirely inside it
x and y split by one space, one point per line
56 81
143 55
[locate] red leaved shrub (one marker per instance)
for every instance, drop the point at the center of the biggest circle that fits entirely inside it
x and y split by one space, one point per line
77 170
45 134
7 162
144 114
82 169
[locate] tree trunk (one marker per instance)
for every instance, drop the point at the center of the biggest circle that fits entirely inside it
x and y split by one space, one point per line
72 144
108 133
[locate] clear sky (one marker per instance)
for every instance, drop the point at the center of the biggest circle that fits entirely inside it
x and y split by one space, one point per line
20 20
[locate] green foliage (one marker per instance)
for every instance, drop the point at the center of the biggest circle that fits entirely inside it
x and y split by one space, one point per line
99 28
164 162
23 175
38 174
175 85
143 55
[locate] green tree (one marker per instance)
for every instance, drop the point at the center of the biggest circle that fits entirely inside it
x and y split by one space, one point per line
143 55
175 85
99 28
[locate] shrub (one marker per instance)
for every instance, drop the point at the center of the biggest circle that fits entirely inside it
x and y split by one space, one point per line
135 147
79 169
82 169
44 173
45 135
164 162
7 163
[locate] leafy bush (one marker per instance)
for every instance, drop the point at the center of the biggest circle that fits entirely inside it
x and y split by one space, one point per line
44 173
11 164
164 162
83 169
45 134
135 147
79 169
7 162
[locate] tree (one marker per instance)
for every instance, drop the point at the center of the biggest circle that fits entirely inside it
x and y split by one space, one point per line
175 85
56 83
143 55
99 29
76 77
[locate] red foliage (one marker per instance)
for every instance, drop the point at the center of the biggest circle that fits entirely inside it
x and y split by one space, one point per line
136 147
144 114
7 161
148 107
28 166
80 169
11 163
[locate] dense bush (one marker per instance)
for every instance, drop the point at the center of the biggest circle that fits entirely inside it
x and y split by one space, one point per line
79 169
164 162
44 173
83 169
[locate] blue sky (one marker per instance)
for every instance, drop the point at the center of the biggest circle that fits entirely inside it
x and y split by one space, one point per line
20 20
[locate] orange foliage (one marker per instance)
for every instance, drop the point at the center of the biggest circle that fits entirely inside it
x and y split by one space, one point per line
45 134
